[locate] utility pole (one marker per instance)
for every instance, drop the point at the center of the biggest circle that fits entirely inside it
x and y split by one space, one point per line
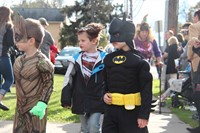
126 6
92 10
131 9
173 6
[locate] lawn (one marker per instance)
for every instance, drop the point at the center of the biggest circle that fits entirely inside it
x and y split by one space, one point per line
182 114
57 114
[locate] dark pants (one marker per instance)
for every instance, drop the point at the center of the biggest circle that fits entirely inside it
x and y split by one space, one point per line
119 120
196 99
6 72
196 95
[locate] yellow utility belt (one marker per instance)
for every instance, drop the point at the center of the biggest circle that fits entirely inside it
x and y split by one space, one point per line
128 100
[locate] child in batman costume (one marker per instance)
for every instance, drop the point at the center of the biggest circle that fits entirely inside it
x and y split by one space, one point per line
128 83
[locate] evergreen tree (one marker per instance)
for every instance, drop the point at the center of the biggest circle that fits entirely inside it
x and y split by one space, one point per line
81 14
192 10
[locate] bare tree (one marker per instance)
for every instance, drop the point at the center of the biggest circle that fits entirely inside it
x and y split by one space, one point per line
40 4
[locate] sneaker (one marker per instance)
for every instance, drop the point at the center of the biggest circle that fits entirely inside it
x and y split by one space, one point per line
3 107
194 130
191 108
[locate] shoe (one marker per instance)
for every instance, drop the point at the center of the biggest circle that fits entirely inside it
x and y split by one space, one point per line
3 107
194 130
191 108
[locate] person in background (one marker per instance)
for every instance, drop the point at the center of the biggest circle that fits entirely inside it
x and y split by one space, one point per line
48 39
33 78
82 87
183 57
53 53
182 51
168 34
6 42
185 32
164 78
170 55
146 43
181 40
194 37
127 83
196 47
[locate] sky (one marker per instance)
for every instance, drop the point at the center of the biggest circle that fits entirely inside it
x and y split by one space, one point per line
154 8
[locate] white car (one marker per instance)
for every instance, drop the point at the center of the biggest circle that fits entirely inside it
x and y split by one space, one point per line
62 62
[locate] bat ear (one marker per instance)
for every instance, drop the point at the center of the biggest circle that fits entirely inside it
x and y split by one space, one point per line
124 16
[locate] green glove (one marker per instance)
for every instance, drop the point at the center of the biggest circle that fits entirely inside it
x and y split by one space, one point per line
39 109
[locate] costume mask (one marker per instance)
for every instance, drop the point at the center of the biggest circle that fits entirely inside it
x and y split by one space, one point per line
121 30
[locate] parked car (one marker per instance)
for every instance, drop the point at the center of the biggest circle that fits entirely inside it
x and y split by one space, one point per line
61 61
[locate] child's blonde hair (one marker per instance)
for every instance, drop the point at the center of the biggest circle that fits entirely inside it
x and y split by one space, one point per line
173 40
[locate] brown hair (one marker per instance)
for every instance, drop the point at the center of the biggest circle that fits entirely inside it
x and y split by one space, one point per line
5 16
34 29
28 28
180 37
186 25
94 30
145 27
197 13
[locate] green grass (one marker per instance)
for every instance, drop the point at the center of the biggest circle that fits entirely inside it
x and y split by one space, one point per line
58 114
55 112
182 114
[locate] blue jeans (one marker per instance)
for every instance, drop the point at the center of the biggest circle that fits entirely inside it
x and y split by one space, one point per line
6 72
90 123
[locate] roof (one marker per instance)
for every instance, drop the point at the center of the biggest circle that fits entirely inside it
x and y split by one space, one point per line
51 14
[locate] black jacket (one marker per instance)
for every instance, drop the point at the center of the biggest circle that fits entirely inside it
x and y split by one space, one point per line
82 97
172 54
6 41
196 50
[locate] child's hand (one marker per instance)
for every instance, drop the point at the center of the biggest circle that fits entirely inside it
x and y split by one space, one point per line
107 98
142 123
196 44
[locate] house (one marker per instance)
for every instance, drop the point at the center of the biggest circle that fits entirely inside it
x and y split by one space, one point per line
53 16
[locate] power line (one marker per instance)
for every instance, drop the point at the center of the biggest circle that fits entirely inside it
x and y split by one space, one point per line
139 9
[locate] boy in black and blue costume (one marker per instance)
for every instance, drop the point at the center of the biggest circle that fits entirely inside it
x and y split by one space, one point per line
128 83
82 88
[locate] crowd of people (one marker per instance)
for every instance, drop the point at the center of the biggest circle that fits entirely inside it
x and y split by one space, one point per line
116 82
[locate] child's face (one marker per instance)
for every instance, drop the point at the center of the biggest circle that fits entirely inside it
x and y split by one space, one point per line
85 44
120 45
24 45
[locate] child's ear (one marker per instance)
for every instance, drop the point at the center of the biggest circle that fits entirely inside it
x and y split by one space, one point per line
32 40
94 41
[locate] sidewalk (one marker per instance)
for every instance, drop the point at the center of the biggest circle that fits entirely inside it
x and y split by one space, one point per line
158 123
